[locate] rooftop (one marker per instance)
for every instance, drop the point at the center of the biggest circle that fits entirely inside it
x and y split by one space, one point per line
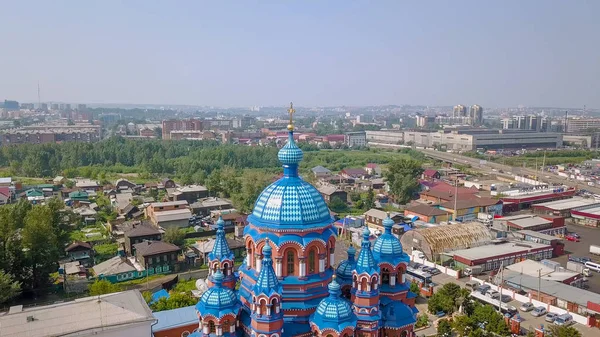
174 318
192 188
142 230
426 210
379 214
113 266
530 222
492 250
148 248
211 202
538 235
84 316
320 169
173 215
328 189
561 205
552 288
169 203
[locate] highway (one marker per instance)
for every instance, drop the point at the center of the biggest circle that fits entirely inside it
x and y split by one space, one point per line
546 177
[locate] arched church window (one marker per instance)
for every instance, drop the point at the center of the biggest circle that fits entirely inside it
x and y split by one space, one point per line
225 326
312 260
225 269
385 276
290 261
404 334
211 327
363 284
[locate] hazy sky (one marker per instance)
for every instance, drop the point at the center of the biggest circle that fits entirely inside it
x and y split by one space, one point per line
243 53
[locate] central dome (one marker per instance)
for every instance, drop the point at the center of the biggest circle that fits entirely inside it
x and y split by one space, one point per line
290 201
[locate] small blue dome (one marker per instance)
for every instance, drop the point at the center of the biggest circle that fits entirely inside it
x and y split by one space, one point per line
346 267
334 312
290 153
387 247
218 300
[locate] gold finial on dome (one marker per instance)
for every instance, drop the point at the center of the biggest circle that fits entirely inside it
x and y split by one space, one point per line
291 111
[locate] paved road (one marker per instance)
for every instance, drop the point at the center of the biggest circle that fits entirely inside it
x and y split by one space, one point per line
530 322
475 163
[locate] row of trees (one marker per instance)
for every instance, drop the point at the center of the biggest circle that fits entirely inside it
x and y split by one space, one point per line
31 241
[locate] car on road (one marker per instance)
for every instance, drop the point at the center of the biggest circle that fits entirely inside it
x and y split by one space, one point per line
538 311
550 317
575 235
572 238
493 294
527 307
434 271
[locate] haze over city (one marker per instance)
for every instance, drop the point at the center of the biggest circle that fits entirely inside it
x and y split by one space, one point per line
535 53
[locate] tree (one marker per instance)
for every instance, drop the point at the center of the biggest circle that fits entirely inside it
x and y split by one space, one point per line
463 325
401 176
444 328
414 288
370 199
174 301
494 320
213 183
175 236
101 287
563 331
41 245
252 183
422 320
9 288
337 205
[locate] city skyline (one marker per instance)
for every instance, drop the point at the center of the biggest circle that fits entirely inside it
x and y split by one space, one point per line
539 53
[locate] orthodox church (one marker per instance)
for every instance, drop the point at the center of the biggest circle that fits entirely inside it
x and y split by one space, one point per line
287 285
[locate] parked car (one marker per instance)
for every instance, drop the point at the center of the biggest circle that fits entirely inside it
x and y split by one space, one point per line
538 311
571 238
575 235
440 314
493 294
506 298
564 319
435 271
484 288
527 307
550 317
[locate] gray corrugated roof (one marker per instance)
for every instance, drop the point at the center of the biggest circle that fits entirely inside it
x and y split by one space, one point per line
552 288
116 265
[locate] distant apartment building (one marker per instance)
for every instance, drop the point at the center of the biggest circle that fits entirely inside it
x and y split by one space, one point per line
530 123
476 114
51 133
575 125
459 111
355 139
10 105
27 106
54 106
180 125
424 121
44 107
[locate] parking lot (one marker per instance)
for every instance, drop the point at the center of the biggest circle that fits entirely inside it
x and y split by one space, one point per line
588 236
529 322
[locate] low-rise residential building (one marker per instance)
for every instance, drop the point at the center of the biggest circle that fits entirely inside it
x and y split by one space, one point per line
427 213
117 314
374 218
190 193
204 247
157 256
205 206
328 192
139 233
123 184
431 174
320 171
167 183
355 173
467 210
86 184
373 169
175 322
80 251
169 214
119 269
355 139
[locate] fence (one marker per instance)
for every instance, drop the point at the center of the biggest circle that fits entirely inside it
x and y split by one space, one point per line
526 299
443 269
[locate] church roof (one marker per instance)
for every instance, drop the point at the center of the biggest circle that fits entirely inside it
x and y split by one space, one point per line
346 267
290 201
221 250
334 312
218 300
398 315
387 247
366 262
267 282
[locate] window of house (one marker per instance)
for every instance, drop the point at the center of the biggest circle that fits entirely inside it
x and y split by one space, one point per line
290 259
158 269
164 258
149 260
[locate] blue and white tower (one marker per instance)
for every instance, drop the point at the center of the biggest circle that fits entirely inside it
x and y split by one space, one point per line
334 316
221 257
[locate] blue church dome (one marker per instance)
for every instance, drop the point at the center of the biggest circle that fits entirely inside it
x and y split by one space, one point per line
346 267
218 300
290 201
387 247
334 312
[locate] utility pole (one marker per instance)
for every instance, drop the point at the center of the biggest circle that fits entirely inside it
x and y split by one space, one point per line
500 286
539 284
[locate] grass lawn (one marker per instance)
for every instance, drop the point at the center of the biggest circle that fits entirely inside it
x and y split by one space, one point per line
105 251
80 233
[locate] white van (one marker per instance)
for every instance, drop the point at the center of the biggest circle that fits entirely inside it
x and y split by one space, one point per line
593 266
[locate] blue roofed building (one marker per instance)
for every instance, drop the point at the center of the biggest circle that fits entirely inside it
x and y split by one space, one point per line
288 284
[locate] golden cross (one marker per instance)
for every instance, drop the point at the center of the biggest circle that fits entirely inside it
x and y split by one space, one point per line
291 111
